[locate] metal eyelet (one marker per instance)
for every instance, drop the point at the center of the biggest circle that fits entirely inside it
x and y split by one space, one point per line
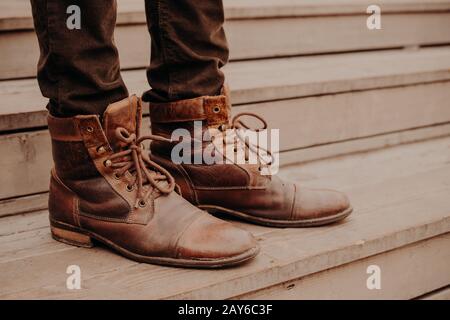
142 204
216 109
116 176
101 150
107 163
130 188
89 129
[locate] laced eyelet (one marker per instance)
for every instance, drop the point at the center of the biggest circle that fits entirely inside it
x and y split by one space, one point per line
101 150
116 176
142 203
107 163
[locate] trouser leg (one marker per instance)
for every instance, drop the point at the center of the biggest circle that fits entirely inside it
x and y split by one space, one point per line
188 49
78 69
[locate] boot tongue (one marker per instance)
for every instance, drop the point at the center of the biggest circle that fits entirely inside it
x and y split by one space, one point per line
126 114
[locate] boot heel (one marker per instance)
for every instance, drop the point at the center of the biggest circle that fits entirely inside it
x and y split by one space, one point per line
71 237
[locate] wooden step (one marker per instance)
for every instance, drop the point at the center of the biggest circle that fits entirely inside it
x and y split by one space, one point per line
401 223
400 269
39 201
367 100
267 80
294 27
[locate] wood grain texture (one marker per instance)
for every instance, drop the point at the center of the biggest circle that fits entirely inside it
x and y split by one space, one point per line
405 273
267 80
390 190
348 116
288 36
16 14
23 204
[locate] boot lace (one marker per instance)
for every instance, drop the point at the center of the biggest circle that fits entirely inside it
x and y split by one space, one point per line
143 170
234 130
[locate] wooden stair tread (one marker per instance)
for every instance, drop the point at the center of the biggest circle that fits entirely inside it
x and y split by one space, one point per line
336 27
267 80
16 14
398 94
390 189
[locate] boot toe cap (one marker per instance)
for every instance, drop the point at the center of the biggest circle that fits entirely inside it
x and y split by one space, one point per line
209 238
319 204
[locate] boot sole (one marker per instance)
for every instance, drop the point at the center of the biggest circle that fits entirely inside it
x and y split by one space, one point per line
78 237
278 223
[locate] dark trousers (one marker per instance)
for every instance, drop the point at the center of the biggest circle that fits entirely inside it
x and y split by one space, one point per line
79 69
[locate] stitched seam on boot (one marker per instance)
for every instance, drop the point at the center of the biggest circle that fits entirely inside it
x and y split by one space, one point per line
96 217
293 202
230 188
76 211
191 184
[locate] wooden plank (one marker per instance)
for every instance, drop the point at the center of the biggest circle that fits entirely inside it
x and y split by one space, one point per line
399 270
287 8
355 115
268 80
281 252
441 294
33 161
395 189
363 144
32 203
28 161
336 173
38 202
330 34
16 14
24 204
312 35
23 223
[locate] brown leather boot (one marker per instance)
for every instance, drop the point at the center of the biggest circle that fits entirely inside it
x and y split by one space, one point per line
239 190
104 187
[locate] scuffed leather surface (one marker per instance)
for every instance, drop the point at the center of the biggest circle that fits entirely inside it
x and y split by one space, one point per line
318 203
96 197
206 175
204 235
